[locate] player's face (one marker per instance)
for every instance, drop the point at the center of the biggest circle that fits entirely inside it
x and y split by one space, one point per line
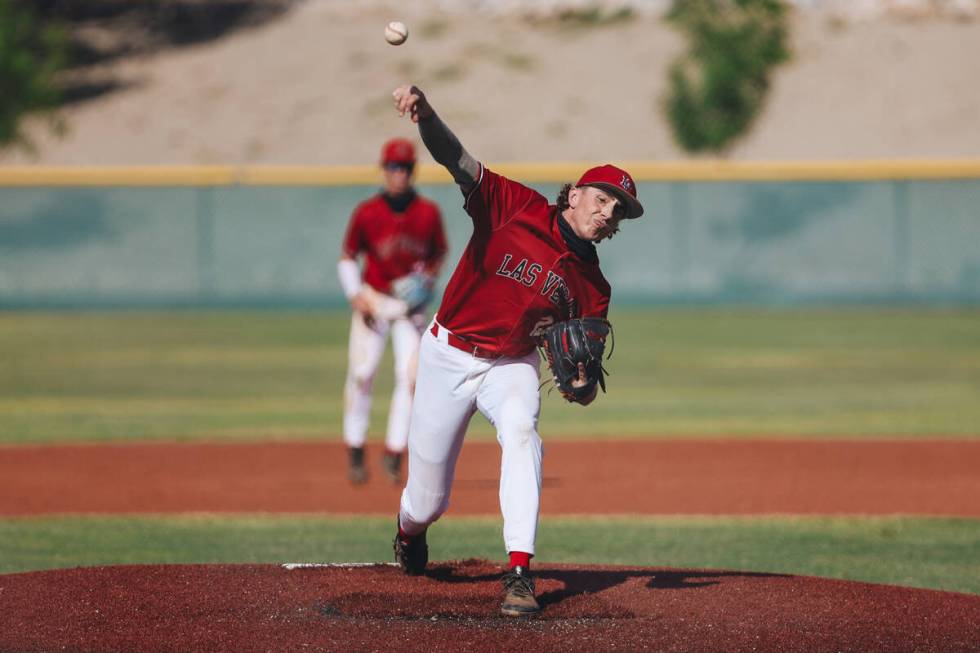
595 214
397 178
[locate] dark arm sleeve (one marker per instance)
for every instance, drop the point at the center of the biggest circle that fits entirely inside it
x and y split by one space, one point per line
449 152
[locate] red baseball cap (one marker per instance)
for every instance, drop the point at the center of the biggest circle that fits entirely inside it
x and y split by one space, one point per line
398 150
616 181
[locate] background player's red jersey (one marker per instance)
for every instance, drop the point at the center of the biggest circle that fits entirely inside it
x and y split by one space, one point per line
394 243
517 275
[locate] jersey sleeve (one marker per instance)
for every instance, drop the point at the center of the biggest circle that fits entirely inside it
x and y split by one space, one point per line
354 237
496 199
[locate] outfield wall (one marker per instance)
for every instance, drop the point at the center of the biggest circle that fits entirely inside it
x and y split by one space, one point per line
779 233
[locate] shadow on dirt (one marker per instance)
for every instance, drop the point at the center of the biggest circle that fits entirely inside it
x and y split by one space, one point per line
102 32
83 89
578 582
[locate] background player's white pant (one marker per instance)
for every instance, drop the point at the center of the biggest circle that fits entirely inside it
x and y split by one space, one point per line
450 387
365 349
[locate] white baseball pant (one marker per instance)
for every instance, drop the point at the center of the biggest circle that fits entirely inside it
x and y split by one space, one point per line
451 386
365 349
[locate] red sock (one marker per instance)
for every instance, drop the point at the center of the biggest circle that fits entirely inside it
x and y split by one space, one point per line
520 559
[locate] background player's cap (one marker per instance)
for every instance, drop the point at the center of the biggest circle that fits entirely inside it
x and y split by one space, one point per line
398 150
616 181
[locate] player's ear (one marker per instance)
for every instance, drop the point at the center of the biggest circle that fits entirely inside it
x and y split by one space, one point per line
574 195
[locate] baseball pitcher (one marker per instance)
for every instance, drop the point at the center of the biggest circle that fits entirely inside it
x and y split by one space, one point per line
529 277
403 242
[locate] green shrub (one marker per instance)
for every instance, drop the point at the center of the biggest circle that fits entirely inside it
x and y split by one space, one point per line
717 87
31 53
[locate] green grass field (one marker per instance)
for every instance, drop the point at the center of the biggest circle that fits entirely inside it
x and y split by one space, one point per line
916 552
77 376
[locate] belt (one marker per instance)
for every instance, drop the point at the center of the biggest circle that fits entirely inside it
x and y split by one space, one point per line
463 345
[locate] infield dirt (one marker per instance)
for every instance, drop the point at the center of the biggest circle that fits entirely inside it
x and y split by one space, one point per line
935 477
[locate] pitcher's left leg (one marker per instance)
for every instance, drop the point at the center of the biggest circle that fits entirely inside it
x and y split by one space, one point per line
509 398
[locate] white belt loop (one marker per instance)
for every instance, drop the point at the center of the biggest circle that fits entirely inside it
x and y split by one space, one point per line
442 333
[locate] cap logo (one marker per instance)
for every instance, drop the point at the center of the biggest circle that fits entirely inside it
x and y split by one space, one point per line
626 183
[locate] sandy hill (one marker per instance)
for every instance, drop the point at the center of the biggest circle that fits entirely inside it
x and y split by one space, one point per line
313 87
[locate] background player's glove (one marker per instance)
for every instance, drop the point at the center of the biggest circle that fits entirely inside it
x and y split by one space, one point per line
414 289
568 343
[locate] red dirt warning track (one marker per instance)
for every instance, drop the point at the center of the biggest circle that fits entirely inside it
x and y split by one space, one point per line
247 608
625 477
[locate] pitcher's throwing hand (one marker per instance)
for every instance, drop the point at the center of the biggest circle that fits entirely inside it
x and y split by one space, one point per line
409 99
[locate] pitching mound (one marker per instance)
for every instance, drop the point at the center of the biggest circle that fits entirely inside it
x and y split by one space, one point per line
245 608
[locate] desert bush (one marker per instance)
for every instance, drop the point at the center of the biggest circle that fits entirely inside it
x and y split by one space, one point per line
31 53
718 86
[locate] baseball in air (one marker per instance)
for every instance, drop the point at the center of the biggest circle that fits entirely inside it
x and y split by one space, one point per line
396 32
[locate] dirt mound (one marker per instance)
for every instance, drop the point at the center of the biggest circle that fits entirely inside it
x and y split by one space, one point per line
265 607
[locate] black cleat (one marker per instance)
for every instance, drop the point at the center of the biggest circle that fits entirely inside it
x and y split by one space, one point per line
412 553
519 598
356 471
392 464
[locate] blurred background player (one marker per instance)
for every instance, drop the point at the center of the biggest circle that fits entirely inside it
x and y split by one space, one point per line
403 242
528 265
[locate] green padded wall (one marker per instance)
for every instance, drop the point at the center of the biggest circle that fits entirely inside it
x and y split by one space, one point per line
773 242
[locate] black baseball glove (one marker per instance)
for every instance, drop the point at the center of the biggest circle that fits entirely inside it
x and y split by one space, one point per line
573 350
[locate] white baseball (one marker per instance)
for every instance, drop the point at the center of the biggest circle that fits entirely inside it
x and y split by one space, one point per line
396 32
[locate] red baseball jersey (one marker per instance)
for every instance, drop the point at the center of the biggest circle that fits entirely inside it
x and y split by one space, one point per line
394 244
517 275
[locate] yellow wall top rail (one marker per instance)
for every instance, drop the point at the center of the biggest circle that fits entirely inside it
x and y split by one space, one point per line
717 171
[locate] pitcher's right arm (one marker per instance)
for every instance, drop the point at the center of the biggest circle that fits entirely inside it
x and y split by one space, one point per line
438 138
